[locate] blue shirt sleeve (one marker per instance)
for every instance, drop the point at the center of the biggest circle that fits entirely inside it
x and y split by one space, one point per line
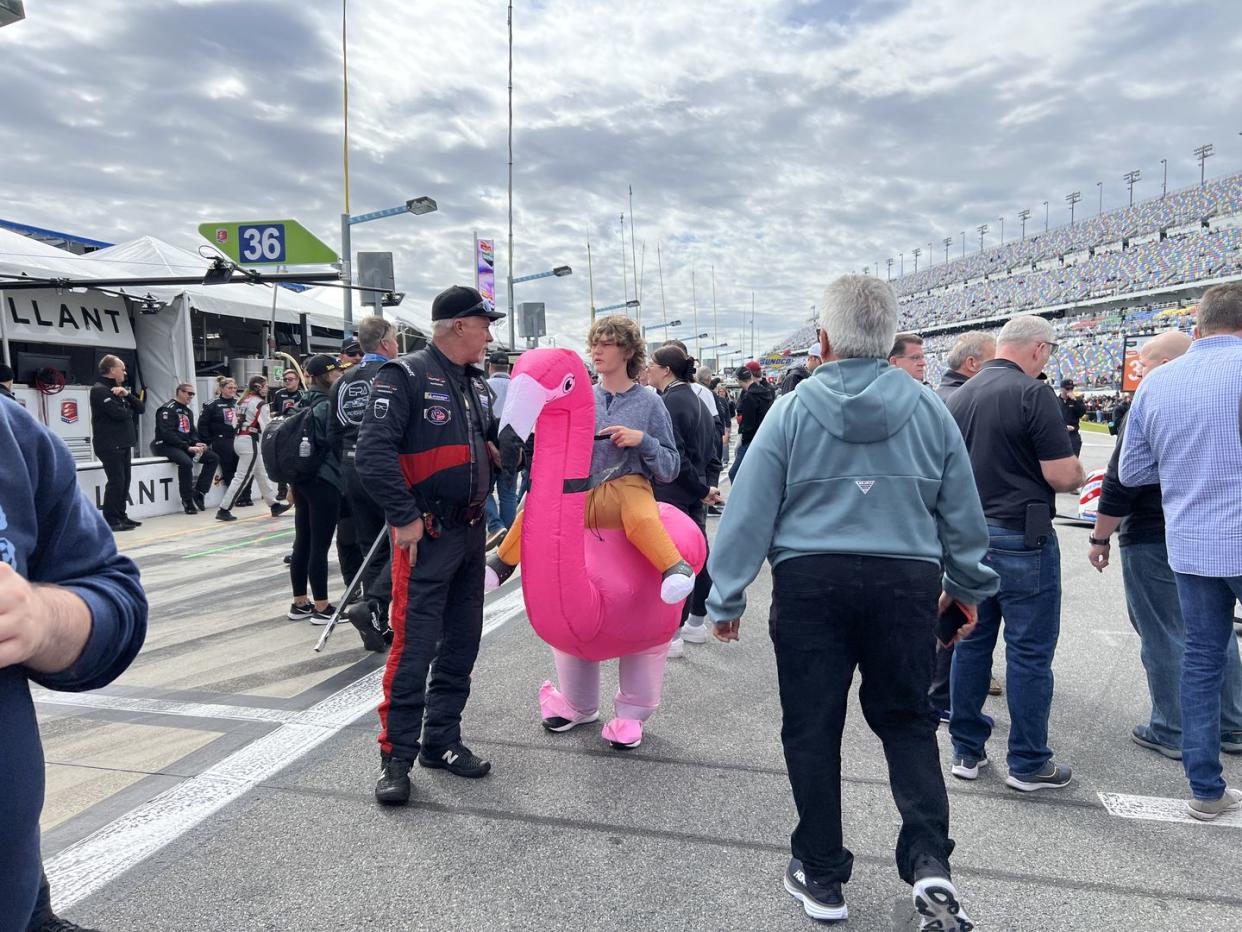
76 551
1138 464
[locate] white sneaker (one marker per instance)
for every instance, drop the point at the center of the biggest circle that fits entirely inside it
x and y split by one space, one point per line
966 769
1208 809
936 902
694 634
676 647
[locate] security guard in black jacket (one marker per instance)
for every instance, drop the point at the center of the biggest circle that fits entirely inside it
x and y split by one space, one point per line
176 438
425 453
351 396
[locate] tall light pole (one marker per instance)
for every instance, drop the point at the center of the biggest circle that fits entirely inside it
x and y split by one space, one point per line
929 254
1023 214
694 307
1002 223
1129 178
901 265
415 205
591 278
715 318
890 269
963 244
625 282
1073 198
1045 216
1164 187
1100 210
660 265
634 257
983 229
1203 153
917 252
947 242
512 312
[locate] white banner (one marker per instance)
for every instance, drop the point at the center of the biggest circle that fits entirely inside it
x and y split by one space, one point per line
152 487
88 318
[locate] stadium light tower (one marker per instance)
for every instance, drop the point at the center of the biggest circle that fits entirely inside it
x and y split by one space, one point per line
1045 216
890 270
901 265
930 261
1164 188
1203 153
1129 178
947 241
983 229
917 252
1073 198
1022 215
963 244
1100 210
1002 223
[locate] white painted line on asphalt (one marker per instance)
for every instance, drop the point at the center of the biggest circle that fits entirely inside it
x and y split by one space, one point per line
147 706
90 864
1161 809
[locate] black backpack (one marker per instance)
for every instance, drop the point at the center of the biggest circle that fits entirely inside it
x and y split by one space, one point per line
288 447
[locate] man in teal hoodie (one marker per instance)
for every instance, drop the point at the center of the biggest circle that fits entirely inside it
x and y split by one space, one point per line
858 489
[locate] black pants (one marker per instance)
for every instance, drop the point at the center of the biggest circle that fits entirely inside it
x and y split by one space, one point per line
116 464
368 524
832 613
348 548
223 448
697 603
185 469
437 620
942 666
314 522
1076 441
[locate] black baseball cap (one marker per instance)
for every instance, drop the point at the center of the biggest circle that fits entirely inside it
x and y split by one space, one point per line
351 347
460 301
498 358
320 364
1067 383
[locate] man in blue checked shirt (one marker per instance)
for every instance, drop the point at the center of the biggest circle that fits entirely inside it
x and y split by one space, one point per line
1185 432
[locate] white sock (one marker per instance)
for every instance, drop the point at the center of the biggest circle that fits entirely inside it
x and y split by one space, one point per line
695 621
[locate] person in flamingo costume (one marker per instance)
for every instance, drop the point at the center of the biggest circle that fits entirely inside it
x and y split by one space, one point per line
590 593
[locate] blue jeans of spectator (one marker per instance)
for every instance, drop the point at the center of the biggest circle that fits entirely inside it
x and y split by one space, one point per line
1029 601
490 509
737 461
832 614
506 494
1207 607
724 451
1156 614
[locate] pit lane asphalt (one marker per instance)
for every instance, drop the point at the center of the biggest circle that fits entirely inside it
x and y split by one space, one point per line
688 831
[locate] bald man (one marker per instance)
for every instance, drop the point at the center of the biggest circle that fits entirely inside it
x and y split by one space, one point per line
1151 591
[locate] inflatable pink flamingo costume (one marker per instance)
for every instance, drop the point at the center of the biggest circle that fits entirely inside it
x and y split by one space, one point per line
589 593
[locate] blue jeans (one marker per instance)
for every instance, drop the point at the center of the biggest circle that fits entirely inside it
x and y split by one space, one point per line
737 461
506 493
1029 600
1207 607
492 512
1156 614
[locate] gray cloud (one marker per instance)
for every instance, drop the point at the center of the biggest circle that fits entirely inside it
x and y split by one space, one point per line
784 142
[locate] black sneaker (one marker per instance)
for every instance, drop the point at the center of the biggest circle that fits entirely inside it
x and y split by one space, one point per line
200 502
456 759
278 509
131 522
494 538
365 617
320 617
393 786
300 612
243 503
496 572
118 526
57 924
824 902
188 506
1053 777
936 902
223 514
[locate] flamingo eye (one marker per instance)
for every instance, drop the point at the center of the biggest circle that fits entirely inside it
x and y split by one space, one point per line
568 385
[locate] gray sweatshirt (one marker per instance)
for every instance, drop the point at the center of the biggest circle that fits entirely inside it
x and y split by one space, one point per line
656 457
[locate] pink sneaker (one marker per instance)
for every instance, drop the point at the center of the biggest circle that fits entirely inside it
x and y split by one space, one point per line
624 733
558 714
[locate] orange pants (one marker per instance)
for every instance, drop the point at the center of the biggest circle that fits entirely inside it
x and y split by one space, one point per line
626 503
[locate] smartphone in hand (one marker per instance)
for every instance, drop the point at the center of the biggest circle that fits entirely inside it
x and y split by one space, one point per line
950 622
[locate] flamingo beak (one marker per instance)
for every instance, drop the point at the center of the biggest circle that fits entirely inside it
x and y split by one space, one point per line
523 403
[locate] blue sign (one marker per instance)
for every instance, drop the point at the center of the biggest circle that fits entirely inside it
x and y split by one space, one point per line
261 243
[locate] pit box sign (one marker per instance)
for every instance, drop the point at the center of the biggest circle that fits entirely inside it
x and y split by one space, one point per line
267 242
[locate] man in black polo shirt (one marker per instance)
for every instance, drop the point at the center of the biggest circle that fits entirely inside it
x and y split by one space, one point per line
1021 456
1073 410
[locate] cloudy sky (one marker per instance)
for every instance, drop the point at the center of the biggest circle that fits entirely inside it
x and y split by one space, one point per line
782 141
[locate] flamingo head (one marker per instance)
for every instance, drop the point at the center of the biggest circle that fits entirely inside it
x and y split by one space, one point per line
543 378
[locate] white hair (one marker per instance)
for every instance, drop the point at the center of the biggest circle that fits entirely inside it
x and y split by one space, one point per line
703 375
440 328
1025 329
860 317
970 343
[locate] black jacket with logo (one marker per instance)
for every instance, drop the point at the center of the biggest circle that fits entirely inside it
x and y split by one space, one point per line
423 442
114 418
219 419
174 426
351 396
283 400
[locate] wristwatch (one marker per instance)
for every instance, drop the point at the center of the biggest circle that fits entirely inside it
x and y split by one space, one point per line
1095 541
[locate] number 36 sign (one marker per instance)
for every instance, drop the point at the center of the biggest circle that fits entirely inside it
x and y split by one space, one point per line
267 242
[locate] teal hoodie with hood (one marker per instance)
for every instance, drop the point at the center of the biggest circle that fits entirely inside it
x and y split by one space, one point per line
859 459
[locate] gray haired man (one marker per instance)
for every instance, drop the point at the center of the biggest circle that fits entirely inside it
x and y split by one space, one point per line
970 351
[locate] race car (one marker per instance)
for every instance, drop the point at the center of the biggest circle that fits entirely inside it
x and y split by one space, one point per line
1089 496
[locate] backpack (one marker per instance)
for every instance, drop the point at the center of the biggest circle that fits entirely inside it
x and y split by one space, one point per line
288 447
